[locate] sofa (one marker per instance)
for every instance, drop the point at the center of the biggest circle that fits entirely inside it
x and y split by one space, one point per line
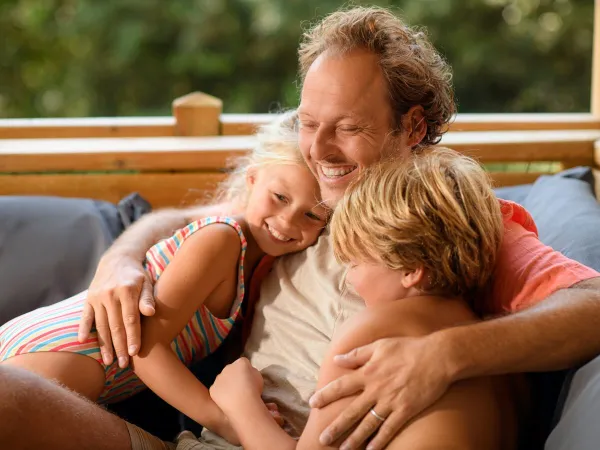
49 248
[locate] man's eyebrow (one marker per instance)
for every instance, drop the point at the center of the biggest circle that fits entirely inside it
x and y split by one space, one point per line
335 119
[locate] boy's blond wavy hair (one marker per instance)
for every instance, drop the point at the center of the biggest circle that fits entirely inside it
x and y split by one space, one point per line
436 210
277 143
415 71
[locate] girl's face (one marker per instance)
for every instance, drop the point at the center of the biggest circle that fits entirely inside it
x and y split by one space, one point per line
285 212
377 284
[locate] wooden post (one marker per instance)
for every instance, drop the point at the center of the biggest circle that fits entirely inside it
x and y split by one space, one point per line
197 114
596 62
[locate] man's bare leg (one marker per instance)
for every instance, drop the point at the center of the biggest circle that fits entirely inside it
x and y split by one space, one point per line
38 414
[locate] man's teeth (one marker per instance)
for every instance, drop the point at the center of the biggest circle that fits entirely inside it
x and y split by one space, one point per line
336 171
277 235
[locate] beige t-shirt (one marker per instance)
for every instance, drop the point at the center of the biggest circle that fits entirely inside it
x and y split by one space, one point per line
302 304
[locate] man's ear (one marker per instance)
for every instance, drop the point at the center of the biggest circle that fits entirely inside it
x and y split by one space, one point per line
412 278
415 125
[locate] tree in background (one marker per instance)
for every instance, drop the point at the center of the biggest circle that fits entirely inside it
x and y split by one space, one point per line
132 57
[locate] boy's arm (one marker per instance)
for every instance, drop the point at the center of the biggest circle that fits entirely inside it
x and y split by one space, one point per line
121 288
559 332
205 261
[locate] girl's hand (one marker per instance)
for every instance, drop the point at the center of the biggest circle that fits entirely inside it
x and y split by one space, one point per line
238 384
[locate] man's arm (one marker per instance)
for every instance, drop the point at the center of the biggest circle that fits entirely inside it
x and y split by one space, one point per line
560 332
121 288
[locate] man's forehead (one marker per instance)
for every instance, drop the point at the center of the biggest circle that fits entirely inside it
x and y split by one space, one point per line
353 81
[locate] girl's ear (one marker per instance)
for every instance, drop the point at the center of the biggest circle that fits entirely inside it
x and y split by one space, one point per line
251 177
412 278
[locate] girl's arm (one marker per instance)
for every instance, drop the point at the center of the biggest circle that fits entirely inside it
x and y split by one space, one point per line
256 430
206 260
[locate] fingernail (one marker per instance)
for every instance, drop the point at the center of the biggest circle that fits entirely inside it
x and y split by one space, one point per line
370 447
132 349
325 439
107 358
122 362
346 446
339 357
313 402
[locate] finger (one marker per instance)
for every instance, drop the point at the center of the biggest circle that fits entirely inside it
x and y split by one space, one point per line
388 430
346 420
277 417
344 386
86 322
147 304
117 332
131 319
271 406
369 425
355 358
104 339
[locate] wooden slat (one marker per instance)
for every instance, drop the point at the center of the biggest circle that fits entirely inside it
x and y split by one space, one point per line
595 100
245 124
524 146
525 122
151 154
161 190
212 153
100 127
514 178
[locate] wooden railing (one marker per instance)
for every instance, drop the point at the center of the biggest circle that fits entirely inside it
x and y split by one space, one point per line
174 161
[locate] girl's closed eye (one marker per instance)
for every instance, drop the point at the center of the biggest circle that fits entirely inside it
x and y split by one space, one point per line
314 217
280 197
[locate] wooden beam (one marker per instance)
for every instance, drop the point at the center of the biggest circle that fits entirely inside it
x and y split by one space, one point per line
144 154
596 62
213 153
524 146
161 190
197 114
245 124
100 127
514 178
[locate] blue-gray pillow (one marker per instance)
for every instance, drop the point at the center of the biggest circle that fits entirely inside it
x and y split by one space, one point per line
50 246
567 214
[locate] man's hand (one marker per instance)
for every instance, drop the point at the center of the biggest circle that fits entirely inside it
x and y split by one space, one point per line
120 290
397 378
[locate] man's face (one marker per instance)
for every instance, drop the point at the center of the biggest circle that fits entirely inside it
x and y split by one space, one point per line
345 120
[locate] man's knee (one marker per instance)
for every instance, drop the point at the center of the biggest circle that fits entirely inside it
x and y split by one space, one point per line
11 386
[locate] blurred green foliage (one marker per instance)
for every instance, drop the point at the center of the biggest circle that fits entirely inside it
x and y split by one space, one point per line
67 58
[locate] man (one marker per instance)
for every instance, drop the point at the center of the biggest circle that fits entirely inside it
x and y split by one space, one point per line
367 80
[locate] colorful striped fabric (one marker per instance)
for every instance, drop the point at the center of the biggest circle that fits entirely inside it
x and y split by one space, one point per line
54 328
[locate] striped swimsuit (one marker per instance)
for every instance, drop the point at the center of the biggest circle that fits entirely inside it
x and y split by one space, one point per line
54 328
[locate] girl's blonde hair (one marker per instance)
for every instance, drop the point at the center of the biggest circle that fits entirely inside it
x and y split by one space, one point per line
436 209
277 143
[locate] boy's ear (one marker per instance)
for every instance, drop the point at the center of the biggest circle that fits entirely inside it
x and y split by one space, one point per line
412 278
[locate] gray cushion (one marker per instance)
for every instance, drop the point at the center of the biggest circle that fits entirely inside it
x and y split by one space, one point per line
49 247
567 214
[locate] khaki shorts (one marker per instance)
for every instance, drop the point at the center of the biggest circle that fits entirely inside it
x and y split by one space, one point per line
142 440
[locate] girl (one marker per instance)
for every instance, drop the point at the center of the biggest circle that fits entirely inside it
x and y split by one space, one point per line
424 231
201 273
